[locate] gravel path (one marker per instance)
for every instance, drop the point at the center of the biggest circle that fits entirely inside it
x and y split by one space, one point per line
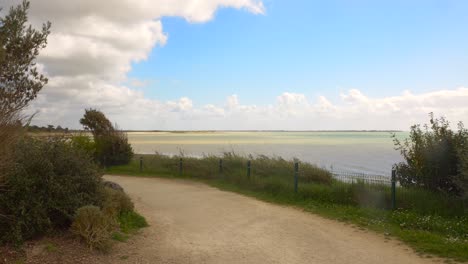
194 223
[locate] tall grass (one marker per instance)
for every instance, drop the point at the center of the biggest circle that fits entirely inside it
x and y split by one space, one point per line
275 175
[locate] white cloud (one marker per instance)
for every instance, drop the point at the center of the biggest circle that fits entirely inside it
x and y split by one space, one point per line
132 110
93 45
292 104
232 102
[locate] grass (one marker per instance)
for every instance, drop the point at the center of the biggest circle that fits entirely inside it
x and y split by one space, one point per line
131 221
430 223
119 236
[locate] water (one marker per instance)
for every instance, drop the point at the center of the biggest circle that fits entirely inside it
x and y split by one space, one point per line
366 152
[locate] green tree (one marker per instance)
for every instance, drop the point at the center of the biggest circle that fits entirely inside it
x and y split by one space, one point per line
96 122
435 157
111 145
20 80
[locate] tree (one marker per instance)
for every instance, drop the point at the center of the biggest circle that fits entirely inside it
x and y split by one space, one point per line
111 145
436 158
20 80
96 122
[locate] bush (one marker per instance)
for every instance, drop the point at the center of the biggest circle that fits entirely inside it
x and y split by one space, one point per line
50 180
116 202
113 149
94 227
435 158
85 143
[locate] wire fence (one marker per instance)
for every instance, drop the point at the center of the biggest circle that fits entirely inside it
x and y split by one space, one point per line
310 182
359 177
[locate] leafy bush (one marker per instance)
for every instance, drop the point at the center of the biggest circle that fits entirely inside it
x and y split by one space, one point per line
113 149
84 142
94 227
435 158
116 202
111 145
50 180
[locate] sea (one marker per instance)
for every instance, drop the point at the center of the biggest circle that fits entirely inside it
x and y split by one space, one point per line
362 152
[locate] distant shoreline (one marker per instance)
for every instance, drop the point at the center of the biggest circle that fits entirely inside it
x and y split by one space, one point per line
288 131
220 131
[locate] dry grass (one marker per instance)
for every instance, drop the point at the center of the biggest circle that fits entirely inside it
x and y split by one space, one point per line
94 227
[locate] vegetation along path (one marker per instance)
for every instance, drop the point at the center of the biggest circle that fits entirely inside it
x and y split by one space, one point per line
191 222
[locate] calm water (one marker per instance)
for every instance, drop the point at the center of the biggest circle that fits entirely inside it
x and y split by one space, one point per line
371 152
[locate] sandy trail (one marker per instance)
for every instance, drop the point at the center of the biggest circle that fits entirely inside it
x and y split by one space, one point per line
194 223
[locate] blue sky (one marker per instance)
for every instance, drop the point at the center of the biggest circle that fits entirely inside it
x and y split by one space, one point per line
313 48
254 64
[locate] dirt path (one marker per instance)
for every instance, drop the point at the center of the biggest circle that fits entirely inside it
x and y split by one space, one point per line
194 223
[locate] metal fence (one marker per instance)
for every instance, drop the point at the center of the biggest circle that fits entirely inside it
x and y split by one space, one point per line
356 177
348 188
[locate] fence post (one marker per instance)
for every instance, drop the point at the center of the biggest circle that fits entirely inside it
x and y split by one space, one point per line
221 167
296 175
180 166
248 169
141 164
393 189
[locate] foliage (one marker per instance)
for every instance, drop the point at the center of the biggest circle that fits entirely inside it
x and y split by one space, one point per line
112 147
10 131
49 181
115 220
96 122
435 157
94 227
83 142
20 80
116 202
47 129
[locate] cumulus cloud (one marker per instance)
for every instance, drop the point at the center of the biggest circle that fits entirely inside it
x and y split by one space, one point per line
290 111
94 43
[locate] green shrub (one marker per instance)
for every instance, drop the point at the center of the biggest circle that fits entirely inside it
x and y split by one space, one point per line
116 202
94 227
84 142
50 180
435 158
113 148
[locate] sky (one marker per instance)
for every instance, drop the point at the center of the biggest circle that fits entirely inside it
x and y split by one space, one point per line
253 65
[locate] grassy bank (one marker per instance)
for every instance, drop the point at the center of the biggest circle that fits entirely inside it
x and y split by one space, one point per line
430 223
